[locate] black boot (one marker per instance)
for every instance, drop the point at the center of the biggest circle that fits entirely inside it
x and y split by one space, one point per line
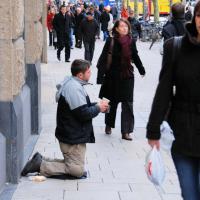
108 130
32 165
58 57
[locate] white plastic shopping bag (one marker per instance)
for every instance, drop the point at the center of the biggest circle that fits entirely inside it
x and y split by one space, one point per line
154 166
167 136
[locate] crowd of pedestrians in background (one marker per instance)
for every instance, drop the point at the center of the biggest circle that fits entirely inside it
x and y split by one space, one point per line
85 23
177 98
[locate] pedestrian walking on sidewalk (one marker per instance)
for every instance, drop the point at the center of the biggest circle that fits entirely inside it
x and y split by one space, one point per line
116 74
62 25
175 27
89 29
50 16
179 85
74 126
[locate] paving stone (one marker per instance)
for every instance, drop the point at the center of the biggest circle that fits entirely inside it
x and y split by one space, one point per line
91 195
103 187
146 191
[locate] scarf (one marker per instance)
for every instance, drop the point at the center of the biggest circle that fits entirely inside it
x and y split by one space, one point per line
125 42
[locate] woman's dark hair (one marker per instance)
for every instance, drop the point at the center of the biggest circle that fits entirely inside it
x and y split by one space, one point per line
116 25
78 66
196 12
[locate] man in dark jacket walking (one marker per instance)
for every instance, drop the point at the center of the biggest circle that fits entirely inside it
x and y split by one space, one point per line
135 26
176 26
78 19
89 29
105 18
74 126
62 25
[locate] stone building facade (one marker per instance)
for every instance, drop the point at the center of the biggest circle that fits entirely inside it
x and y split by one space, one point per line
22 37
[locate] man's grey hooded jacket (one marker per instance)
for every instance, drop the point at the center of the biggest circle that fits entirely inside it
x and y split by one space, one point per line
74 112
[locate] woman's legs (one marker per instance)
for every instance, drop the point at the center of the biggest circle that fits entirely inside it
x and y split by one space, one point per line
127 117
188 170
110 117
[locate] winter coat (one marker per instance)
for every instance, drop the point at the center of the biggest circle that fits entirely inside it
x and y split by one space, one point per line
62 25
74 113
114 12
113 86
184 115
78 20
124 13
135 27
89 30
174 28
50 17
105 18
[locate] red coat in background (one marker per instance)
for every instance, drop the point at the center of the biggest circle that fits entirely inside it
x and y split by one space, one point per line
50 17
124 13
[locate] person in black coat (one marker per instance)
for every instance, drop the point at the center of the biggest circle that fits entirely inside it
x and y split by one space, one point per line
78 19
135 26
117 78
179 86
62 25
104 19
89 29
175 27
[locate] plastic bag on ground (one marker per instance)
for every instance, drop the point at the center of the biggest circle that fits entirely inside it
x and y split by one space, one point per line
154 166
167 136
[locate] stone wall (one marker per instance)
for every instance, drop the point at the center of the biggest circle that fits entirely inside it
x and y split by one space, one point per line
21 46
11 48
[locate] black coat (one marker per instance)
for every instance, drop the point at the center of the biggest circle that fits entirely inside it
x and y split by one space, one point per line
184 115
62 25
89 30
113 86
174 28
135 27
104 19
78 20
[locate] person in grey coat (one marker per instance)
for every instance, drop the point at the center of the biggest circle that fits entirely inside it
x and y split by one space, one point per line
74 126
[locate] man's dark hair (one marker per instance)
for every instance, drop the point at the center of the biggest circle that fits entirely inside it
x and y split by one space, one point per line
178 11
78 66
63 6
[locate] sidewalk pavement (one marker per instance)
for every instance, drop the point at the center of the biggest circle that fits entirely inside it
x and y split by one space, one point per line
115 167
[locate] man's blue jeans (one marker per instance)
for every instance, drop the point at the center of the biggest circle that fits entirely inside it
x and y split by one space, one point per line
105 35
188 170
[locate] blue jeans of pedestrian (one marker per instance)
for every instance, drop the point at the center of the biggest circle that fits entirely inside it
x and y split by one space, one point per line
105 35
188 170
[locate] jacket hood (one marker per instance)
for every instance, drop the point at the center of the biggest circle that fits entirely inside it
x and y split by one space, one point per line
61 85
191 34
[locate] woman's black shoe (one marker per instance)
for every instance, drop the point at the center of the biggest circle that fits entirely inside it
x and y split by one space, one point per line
126 136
